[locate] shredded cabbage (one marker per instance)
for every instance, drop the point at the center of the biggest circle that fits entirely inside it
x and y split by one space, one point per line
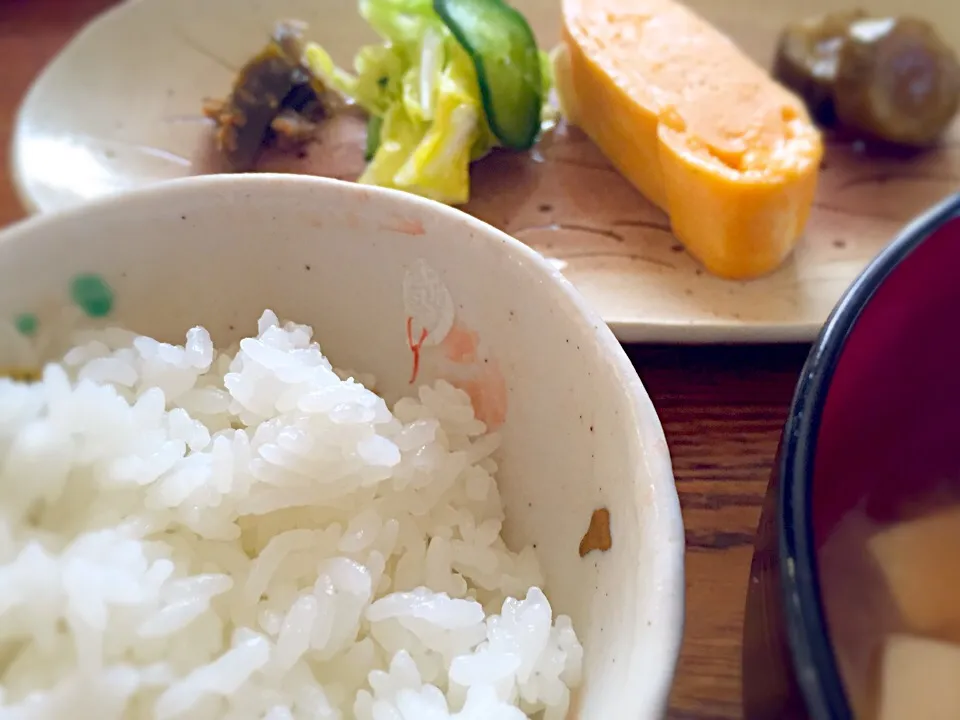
422 85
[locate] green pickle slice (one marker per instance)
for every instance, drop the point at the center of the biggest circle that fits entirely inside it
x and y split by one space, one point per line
504 52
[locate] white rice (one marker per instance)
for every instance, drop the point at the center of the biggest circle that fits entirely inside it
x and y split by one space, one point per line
187 533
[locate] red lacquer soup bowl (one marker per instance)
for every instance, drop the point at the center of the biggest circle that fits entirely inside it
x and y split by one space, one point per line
873 432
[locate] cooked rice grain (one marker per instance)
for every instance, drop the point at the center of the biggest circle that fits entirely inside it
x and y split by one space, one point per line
187 533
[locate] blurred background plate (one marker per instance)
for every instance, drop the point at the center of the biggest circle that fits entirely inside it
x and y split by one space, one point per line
119 108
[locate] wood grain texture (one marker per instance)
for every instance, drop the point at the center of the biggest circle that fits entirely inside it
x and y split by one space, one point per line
722 409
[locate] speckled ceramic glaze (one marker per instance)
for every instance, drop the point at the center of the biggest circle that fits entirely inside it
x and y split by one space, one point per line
398 286
119 109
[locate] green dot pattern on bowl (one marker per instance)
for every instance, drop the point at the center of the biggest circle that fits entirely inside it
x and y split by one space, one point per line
26 324
92 294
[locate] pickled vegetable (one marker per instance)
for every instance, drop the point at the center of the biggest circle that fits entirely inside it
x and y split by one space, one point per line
430 115
507 62
21 374
374 124
896 81
806 59
891 79
273 81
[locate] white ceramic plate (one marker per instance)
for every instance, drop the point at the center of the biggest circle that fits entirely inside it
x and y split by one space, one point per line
119 109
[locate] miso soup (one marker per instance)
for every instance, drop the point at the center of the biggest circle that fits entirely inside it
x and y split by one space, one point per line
891 595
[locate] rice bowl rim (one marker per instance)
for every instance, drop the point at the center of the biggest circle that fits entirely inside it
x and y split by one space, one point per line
654 485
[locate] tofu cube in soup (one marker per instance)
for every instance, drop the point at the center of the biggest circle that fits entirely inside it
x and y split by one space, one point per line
920 679
918 560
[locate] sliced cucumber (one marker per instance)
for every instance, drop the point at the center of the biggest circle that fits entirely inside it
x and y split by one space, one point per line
504 52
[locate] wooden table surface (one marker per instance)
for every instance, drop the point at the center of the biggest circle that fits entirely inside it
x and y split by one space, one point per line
722 409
